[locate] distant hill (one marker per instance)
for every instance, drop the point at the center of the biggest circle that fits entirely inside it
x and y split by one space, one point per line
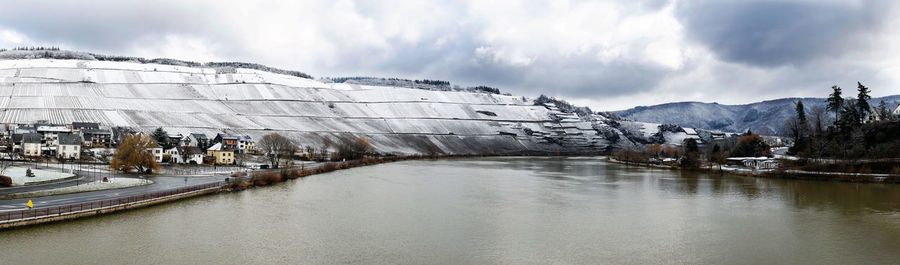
760 117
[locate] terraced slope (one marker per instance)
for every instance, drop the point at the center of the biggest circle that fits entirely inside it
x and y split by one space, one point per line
243 101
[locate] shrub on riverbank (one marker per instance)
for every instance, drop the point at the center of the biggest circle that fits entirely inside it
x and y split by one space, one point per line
266 178
5 181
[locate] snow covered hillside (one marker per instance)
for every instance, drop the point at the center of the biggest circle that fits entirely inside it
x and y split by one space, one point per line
761 116
200 99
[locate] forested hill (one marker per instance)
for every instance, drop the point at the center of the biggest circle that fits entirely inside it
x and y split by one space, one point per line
765 116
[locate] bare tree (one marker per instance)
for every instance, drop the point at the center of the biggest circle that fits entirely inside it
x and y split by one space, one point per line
4 165
819 118
356 149
276 147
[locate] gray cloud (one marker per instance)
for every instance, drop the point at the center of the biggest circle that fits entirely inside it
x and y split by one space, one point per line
773 33
112 26
604 52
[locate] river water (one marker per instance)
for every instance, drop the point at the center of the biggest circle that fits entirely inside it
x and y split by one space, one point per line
492 211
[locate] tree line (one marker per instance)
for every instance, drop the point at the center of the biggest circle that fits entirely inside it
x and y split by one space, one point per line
845 128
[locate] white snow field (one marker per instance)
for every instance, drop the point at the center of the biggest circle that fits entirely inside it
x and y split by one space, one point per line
251 102
17 174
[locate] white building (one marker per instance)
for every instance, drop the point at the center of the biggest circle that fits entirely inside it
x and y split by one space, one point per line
157 153
69 146
31 145
755 162
50 133
246 145
185 155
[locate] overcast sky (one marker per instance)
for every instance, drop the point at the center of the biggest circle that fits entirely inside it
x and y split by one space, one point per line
604 54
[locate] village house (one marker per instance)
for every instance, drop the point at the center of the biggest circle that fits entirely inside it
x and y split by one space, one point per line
5 137
157 153
119 134
97 137
78 127
229 142
246 145
185 155
198 140
24 128
31 145
220 155
50 133
174 140
754 162
17 142
69 146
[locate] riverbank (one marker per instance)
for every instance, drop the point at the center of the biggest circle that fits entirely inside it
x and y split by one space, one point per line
237 182
782 174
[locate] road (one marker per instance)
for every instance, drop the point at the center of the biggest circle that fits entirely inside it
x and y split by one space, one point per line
161 183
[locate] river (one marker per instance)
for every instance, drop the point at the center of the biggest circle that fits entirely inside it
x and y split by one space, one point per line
520 210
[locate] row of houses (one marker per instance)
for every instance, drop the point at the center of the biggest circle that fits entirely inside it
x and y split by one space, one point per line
62 141
198 148
70 141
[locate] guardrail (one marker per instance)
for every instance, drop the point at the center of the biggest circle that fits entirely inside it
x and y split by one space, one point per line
87 206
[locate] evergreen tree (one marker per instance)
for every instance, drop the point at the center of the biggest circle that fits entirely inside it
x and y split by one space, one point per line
799 129
883 112
161 137
691 158
850 117
862 100
835 102
690 146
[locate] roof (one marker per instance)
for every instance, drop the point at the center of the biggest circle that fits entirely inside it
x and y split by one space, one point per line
17 138
749 158
215 147
25 128
199 136
224 136
52 128
85 125
96 131
69 139
31 138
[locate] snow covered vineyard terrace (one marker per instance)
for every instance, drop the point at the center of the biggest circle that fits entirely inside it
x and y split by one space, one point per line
199 99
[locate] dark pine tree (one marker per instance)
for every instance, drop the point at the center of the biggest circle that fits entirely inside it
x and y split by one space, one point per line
835 102
862 100
161 137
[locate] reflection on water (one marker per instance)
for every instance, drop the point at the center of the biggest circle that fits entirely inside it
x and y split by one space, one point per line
523 210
